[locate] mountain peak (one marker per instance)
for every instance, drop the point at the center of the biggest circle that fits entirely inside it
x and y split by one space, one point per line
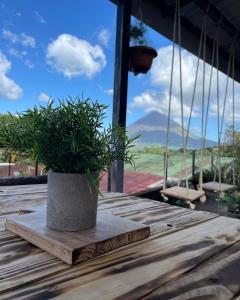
152 129
155 118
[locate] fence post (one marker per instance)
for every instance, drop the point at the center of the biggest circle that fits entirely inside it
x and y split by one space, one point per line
36 168
165 164
109 180
193 162
9 165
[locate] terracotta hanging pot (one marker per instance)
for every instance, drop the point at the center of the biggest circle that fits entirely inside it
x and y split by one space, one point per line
140 59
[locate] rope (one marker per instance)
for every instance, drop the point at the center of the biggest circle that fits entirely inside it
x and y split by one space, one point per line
140 10
195 84
218 111
225 95
209 91
203 101
233 118
170 96
183 164
220 126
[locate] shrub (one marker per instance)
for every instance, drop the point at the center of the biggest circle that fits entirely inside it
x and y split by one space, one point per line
68 137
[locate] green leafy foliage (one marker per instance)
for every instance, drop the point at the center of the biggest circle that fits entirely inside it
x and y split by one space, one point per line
137 34
232 201
68 137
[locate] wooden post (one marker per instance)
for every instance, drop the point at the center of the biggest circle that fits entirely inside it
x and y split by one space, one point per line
165 163
36 168
121 83
193 162
109 180
9 164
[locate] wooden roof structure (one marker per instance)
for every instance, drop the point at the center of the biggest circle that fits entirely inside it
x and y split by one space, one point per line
189 254
222 17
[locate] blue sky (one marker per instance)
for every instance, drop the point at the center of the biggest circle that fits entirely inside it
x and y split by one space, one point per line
40 46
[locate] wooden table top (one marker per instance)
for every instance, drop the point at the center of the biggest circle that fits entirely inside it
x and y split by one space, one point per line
189 255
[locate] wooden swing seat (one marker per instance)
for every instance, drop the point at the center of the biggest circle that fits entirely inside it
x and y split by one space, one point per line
214 186
182 193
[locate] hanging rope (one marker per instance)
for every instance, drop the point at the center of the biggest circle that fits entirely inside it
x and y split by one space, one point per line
183 164
170 96
209 92
220 122
195 84
225 95
203 102
218 111
233 117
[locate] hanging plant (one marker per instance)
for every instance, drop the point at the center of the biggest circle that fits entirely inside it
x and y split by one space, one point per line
141 56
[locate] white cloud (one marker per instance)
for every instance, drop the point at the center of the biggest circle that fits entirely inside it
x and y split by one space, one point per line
43 97
151 100
27 40
40 18
8 35
160 78
104 36
72 56
8 88
22 55
109 91
22 39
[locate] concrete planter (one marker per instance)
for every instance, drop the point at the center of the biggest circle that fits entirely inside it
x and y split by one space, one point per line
70 204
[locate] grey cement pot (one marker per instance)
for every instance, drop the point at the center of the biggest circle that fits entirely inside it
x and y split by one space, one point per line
70 204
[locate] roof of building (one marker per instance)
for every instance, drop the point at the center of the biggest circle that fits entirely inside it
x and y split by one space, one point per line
135 183
222 15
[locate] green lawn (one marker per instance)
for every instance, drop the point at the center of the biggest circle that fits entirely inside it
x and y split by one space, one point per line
154 163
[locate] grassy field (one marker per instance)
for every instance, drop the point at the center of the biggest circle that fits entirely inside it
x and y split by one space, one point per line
153 163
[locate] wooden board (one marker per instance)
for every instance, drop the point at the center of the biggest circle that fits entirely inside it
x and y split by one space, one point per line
182 193
214 186
134 271
190 255
211 280
111 232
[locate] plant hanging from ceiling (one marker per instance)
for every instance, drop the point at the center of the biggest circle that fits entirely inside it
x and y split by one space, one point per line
141 56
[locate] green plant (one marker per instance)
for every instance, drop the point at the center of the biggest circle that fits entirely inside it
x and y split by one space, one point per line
208 175
137 34
232 201
68 138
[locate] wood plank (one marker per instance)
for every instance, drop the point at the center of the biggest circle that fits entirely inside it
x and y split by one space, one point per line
158 218
217 278
110 233
214 186
182 193
132 272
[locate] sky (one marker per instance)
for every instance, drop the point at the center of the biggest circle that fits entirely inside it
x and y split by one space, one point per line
55 49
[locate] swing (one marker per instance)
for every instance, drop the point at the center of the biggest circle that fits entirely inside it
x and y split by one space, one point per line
214 186
183 193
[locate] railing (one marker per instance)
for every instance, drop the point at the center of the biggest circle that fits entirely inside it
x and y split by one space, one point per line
14 165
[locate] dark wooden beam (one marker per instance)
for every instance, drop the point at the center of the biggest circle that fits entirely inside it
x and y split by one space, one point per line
121 83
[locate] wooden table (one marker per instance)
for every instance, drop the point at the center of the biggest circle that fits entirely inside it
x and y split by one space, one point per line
190 255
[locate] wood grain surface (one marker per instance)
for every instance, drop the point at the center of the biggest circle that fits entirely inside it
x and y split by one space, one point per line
182 193
189 255
110 233
213 186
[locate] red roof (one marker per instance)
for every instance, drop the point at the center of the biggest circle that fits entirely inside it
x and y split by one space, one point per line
134 182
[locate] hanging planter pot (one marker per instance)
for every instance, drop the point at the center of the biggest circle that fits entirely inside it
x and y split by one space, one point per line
141 58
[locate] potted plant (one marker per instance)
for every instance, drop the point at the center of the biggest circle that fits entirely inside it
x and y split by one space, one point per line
140 56
70 141
232 201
